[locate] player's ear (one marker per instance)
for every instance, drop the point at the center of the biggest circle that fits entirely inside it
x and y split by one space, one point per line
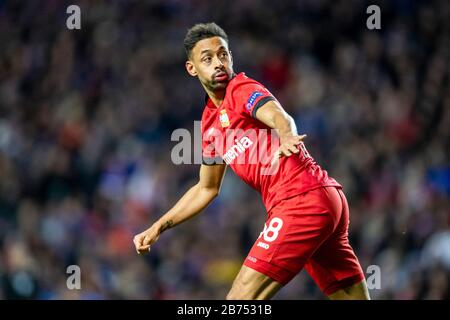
191 68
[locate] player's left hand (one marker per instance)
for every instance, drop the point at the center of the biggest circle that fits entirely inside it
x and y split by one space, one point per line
288 145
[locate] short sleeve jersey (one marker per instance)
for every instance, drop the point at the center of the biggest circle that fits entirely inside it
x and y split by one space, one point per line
231 134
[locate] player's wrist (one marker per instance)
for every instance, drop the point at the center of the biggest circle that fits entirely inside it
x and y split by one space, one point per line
286 137
164 224
286 131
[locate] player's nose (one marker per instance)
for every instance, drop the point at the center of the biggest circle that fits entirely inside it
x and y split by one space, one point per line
218 64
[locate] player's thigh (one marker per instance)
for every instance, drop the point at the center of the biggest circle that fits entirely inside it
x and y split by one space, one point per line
292 233
334 266
357 291
253 285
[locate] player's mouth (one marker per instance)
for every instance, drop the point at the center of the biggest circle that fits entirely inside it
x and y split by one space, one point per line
220 76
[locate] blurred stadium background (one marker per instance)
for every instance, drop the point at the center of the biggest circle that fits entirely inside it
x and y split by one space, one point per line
86 118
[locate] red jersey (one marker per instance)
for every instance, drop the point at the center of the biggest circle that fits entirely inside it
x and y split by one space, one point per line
232 134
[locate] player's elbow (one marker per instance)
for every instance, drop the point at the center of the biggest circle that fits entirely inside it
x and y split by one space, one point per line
210 192
215 192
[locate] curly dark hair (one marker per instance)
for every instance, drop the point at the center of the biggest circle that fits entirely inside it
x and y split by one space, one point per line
202 31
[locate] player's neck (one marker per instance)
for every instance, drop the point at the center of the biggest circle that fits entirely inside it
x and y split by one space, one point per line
216 97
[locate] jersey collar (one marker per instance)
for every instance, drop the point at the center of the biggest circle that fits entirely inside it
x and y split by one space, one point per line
208 101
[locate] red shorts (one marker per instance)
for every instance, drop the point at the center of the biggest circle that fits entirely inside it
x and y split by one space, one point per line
309 230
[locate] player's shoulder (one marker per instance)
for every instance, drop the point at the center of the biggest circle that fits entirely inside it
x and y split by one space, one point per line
243 86
247 90
241 82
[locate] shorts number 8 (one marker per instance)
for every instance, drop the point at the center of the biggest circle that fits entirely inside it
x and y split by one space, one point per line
274 227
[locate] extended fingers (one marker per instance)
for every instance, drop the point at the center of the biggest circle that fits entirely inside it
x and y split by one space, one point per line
293 149
290 145
285 151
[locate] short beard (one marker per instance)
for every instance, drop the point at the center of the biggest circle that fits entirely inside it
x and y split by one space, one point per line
216 86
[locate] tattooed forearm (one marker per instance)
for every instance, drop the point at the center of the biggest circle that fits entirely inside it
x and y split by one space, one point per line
166 225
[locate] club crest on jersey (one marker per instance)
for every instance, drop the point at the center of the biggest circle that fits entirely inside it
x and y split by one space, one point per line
252 99
224 121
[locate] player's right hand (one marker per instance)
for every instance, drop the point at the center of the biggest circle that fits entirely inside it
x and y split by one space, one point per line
144 240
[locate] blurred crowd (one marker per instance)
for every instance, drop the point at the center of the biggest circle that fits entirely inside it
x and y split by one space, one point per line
86 118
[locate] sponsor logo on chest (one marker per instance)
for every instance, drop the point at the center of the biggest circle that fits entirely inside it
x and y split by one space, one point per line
237 149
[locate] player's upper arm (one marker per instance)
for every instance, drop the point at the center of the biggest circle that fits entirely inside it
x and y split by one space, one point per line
268 112
211 177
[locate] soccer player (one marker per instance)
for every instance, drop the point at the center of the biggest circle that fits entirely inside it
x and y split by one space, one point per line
308 215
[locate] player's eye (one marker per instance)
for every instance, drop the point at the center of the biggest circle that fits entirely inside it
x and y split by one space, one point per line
207 59
224 55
